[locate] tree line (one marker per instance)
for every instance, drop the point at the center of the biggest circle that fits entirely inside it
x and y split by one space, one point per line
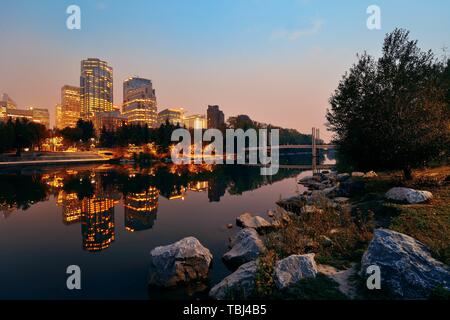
20 134
393 112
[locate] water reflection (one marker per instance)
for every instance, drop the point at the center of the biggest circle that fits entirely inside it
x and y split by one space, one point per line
88 196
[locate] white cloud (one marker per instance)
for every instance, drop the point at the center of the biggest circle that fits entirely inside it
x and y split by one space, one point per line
293 35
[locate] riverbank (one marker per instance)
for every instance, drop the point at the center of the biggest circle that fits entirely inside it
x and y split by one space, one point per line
321 244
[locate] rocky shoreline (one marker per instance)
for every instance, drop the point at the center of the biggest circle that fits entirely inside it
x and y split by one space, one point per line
407 267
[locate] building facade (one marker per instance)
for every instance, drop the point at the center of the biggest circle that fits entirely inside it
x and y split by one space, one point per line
174 116
37 115
111 121
139 102
96 88
70 108
216 118
195 121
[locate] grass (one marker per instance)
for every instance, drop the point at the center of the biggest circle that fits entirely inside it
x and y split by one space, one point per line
351 231
428 222
336 236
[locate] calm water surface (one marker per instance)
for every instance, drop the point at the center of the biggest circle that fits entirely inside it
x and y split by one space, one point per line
107 219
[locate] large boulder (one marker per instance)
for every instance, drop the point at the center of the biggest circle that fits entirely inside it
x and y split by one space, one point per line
245 247
408 195
179 263
294 268
258 223
238 285
408 270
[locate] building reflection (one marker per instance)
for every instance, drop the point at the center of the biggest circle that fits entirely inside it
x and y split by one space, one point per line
141 209
97 223
71 207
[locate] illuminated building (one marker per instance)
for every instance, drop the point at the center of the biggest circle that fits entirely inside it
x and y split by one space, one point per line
7 103
111 121
141 209
41 116
195 122
216 118
139 102
58 117
97 223
199 186
37 115
96 88
174 116
69 109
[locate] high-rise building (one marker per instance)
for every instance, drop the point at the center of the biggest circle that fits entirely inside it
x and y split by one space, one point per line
216 118
174 116
96 88
195 121
7 102
58 116
139 102
70 107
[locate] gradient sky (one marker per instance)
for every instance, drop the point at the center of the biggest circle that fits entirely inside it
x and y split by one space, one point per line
275 60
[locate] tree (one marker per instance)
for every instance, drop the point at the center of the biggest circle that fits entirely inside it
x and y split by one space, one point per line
392 113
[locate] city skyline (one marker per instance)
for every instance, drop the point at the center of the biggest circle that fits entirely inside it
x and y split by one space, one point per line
260 58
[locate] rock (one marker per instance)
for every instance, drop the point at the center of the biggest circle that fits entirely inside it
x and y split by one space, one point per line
230 226
350 187
330 192
179 263
258 223
245 247
326 242
341 200
370 174
293 204
358 174
294 268
306 179
408 270
270 214
238 285
342 177
310 209
407 195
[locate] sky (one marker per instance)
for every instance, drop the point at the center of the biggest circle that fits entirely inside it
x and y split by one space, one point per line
278 61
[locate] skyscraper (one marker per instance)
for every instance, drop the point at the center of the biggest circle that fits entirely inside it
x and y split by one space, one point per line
96 88
70 107
216 118
139 102
173 116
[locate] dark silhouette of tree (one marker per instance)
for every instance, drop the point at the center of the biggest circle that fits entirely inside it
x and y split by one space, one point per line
84 132
392 113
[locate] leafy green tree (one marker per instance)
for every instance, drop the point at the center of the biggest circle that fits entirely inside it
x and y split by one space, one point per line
392 113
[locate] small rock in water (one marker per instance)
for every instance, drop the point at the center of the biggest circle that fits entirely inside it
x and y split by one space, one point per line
230 226
179 263
258 223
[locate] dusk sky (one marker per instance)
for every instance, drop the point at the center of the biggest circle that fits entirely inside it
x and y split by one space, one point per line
276 60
